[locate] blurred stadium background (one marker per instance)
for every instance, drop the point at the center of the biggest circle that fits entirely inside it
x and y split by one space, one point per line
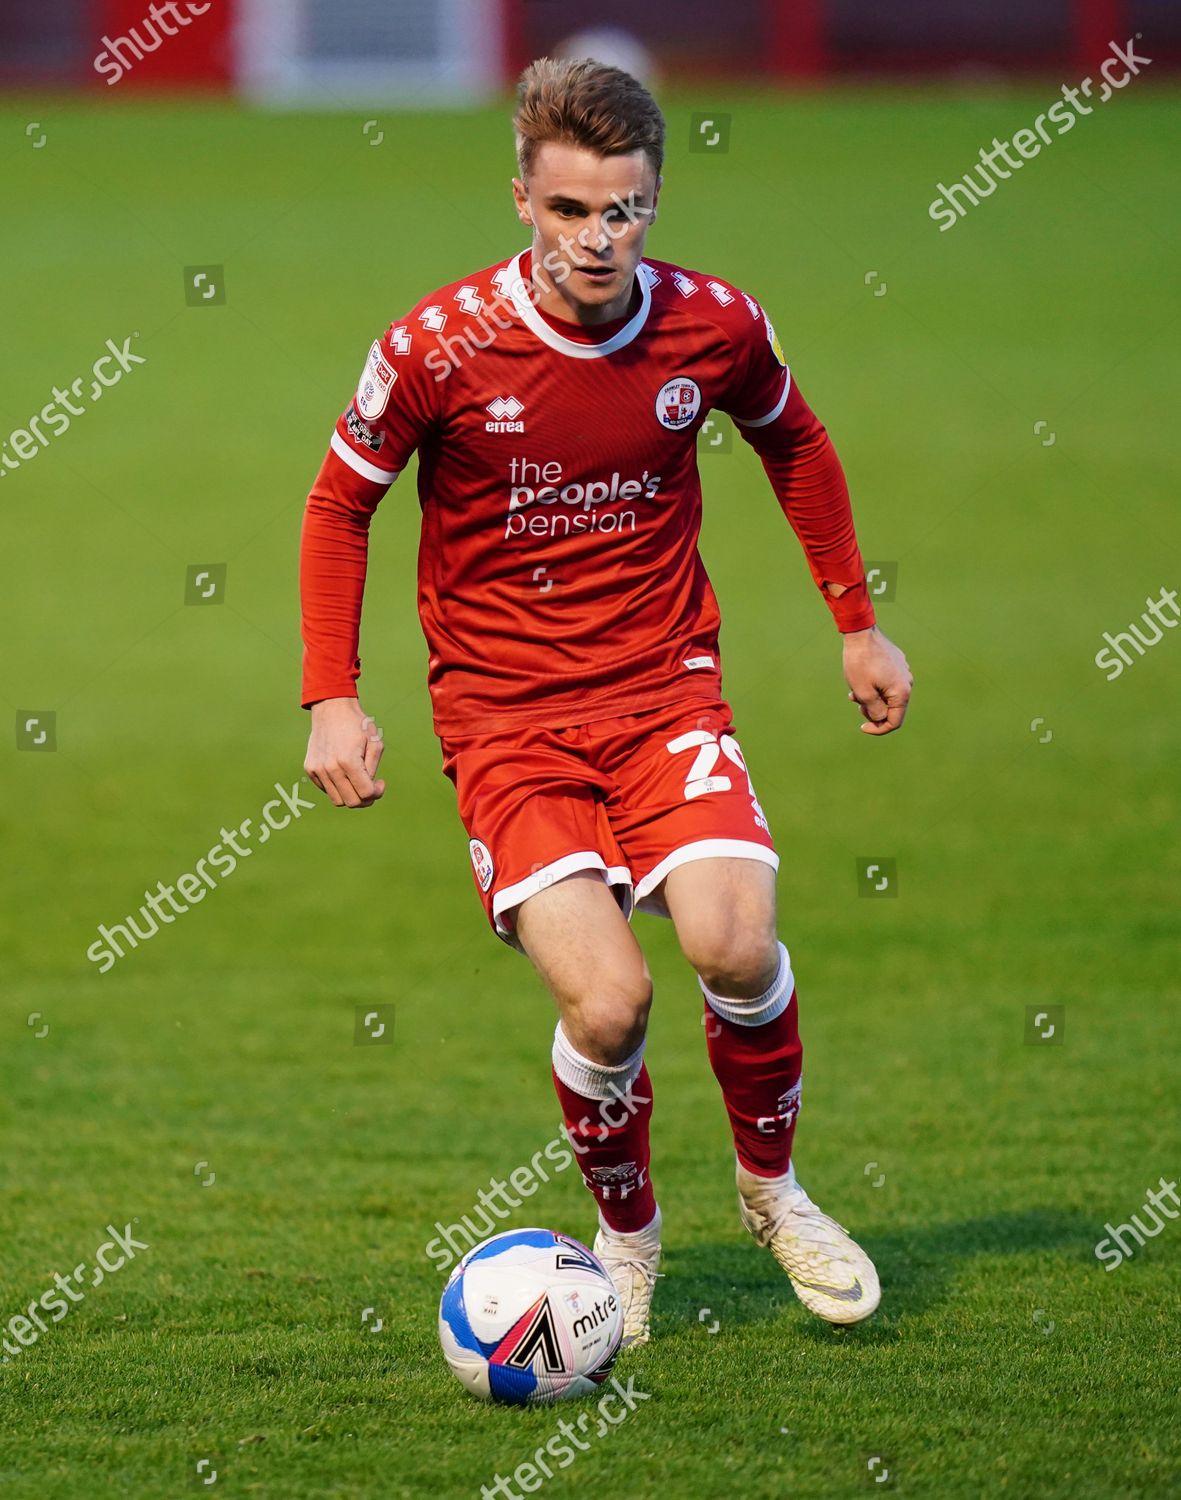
1003 397
404 51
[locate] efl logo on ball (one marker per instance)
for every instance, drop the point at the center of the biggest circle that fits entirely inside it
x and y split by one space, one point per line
481 862
678 403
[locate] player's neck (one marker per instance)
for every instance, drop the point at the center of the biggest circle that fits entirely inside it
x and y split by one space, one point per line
553 301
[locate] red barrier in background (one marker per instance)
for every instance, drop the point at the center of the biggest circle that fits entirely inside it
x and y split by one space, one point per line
798 39
788 42
197 56
801 44
515 32
1096 23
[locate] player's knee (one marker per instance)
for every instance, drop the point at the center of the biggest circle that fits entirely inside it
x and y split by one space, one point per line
739 961
613 1019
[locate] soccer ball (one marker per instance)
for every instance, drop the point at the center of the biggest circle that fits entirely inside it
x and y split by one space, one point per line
530 1315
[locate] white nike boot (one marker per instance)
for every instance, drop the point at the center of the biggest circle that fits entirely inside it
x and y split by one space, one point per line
633 1263
829 1272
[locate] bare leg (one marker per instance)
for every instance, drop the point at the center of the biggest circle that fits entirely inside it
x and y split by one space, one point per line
580 944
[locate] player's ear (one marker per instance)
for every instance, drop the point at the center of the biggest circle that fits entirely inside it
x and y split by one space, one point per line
655 199
521 199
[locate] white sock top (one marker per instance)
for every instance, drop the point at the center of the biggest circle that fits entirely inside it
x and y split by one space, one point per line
760 1009
591 1079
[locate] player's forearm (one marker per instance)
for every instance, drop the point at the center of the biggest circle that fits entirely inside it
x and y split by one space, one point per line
334 549
809 483
810 486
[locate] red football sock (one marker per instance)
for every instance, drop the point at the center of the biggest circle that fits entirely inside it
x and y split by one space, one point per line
759 1067
609 1133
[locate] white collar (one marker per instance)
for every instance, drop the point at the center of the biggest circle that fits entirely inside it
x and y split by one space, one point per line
533 320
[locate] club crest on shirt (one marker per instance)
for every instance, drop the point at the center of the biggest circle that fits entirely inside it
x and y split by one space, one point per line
375 384
481 862
678 403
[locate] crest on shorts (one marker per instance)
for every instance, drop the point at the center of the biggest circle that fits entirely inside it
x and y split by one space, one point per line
481 862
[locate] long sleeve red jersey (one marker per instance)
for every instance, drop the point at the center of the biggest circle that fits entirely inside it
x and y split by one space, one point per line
559 578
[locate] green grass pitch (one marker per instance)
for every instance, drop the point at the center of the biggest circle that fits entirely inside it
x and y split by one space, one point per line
1030 805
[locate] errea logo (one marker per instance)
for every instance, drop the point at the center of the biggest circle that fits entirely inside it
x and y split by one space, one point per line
504 411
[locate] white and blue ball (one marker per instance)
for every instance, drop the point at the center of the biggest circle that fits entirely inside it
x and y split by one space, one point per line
529 1316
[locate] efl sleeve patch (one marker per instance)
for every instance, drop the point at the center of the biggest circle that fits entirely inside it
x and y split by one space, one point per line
376 382
761 380
773 340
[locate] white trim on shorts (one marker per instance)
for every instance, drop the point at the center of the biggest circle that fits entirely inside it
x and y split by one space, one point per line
511 896
700 849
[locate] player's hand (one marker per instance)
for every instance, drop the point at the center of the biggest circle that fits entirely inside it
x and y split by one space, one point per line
344 751
879 680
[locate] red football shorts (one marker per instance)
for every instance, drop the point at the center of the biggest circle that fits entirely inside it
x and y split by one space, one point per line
632 797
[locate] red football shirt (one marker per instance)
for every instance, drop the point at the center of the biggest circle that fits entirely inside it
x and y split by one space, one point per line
559 579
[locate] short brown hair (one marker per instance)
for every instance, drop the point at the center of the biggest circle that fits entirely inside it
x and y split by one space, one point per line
581 102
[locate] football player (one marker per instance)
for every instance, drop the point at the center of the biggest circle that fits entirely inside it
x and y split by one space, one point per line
554 400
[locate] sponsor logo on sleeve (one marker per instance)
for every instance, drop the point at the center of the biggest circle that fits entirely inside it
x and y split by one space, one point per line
678 403
376 382
360 433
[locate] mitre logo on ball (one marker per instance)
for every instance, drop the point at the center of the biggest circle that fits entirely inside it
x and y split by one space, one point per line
678 403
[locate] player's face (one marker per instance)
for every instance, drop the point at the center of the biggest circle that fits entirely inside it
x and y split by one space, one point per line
589 215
